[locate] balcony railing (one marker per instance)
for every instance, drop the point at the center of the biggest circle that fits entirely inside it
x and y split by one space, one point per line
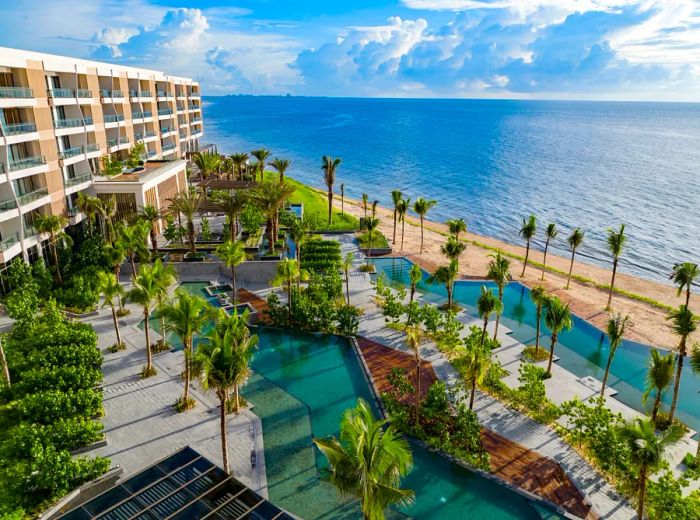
26 162
195 120
183 134
194 107
116 142
30 231
72 212
83 93
180 108
144 135
166 130
8 205
92 147
16 92
71 123
168 147
141 115
71 152
8 242
140 93
111 93
165 112
61 93
31 197
151 153
165 93
112 118
18 128
78 180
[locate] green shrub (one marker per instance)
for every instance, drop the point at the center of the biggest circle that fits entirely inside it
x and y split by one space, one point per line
64 434
535 354
64 378
51 405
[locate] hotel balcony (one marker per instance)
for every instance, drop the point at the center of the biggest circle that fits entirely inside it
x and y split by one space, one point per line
141 95
73 126
68 96
16 97
109 96
26 166
33 200
72 155
8 210
114 120
114 145
181 109
138 117
145 137
165 95
181 95
167 132
10 247
77 183
92 150
18 133
165 113
195 119
196 133
194 108
183 135
195 95
168 148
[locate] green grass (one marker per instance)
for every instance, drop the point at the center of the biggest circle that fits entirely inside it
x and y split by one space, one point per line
379 241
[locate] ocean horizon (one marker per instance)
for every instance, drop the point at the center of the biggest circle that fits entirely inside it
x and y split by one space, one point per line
593 164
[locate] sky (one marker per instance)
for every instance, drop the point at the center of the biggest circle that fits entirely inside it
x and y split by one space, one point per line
540 49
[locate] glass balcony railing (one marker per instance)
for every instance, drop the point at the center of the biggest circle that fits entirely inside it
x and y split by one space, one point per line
69 123
7 242
83 93
141 115
30 231
92 147
72 212
26 162
140 93
61 93
166 130
151 153
180 108
194 107
183 135
168 147
116 142
80 179
165 112
194 94
18 128
144 135
111 93
16 92
71 152
112 118
195 120
31 197
165 93
8 205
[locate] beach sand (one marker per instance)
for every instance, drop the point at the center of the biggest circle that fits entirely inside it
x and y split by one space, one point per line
647 323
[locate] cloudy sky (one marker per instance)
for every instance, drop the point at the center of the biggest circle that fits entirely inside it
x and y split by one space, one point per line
572 49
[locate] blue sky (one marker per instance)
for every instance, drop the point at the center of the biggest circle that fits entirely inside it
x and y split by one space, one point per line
561 49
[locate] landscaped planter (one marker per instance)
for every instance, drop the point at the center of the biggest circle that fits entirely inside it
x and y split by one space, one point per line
194 257
377 251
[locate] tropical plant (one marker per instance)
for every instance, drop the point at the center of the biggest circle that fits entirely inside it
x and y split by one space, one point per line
415 275
342 198
111 165
616 332
421 207
456 226
551 233
152 216
186 203
108 210
575 240
110 288
683 324
557 318
281 166
232 253
239 159
375 203
262 156
683 275
486 305
658 379
329 165
647 451
207 163
538 295
232 204
413 342
402 209
132 242
222 362
136 153
616 241
288 273
90 206
371 225
453 248
54 225
347 265
446 275
270 196
499 273
144 292
368 461
527 231
165 277
396 197
475 361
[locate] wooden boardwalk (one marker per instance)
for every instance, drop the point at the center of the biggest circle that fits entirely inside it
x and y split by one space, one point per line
510 461
256 302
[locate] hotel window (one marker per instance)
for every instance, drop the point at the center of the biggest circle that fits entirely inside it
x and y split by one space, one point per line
6 79
25 185
19 151
33 254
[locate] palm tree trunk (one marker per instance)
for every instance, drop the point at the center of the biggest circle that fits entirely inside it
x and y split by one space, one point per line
413 292
347 286
403 227
369 248
483 332
132 259
449 295
657 405
191 236
5 367
154 242
687 302
393 240
55 259
677 383
527 254
421 234
223 397
612 285
270 236
605 377
537 333
233 283
116 325
342 203
571 268
642 492
232 228
330 206
146 328
551 354
544 261
498 316
188 355
471 397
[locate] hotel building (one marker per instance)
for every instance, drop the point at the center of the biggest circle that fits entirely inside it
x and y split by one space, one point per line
59 116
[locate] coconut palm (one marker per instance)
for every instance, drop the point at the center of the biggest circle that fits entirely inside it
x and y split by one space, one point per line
475 362
453 248
684 323
144 292
253 168
647 451
616 332
415 275
186 315
232 253
347 265
54 225
371 225
152 216
166 276
421 207
538 295
456 226
551 233
288 272
222 362
575 240
527 231
297 232
396 197
486 305
90 206
374 208
402 209
683 275
365 203
658 379
616 241
109 287
108 210
557 318
329 165
270 196
232 204
207 163
262 155
342 198
446 274
227 166
239 160
368 461
413 343
281 166
132 241
499 273
186 203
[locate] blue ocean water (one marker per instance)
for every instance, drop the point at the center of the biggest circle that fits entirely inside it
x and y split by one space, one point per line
492 162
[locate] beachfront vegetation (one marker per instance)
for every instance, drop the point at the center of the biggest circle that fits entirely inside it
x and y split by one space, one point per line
683 275
329 166
527 231
683 324
658 379
421 207
575 240
538 295
551 233
616 242
558 318
499 273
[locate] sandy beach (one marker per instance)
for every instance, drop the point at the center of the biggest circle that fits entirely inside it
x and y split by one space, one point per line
647 323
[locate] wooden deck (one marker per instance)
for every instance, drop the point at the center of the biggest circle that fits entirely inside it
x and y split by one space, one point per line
255 301
510 461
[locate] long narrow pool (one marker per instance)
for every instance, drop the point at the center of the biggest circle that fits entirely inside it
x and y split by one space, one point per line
583 350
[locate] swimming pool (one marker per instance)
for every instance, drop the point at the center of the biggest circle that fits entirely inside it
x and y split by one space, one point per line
583 350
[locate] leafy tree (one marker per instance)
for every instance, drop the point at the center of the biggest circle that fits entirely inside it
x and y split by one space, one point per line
153 217
396 197
371 225
281 166
538 295
232 253
166 276
262 155
551 234
457 226
527 231
575 240
683 275
557 318
132 241
232 204
616 241
616 332
187 203
329 165
111 289
239 160
684 323
270 196
288 272
54 225
144 292
421 207
111 165
453 248
207 163
486 305
401 210
666 501
90 206
499 273
474 361
108 210
135 155
658 379
446 274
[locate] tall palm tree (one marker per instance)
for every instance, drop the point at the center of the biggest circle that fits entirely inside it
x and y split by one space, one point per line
575 240
297 232
132 240
538 295
144 292
658 379
456 226
207 163
288 273
90 206
374 208
270 196
329 165
476 361
166 276
402 209
368 461
396 197
239 159
222 362
684 323
342 198
108 210
415 275
557 318
648 450
347 265
413 343
54 225
527 231
371 225
109 287
421 207
186 203
281 166
232 253
453 248
683 275
616 332
227 166
262 155
232 204
186 315
499 273
551 233
486 305
152 216
616 241
365 203
446 274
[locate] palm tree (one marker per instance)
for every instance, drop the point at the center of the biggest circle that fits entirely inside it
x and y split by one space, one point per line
457 226
329 166
90 206
166 276
232 204
499 273
132 240
144 292
288 272
538 295
396 197
453 248
232 253
446 274
222 362
486 305
186 315
347 264
616 333
421 206
374 208
371 225
683 275
270 196
187 203
281 165
207 163
342 198
54 225
402 209
365 203
227 166
108 210
658 379
575 240
239 159
551 233
527 231
415 275
413 342
476 361
647 451
262 155
152 216
616 241
297 232
684 323
109 287
557 318
368 461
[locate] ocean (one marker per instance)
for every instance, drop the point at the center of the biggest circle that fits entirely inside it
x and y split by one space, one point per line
492 162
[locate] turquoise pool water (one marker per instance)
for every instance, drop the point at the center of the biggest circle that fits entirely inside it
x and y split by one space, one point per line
583 350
